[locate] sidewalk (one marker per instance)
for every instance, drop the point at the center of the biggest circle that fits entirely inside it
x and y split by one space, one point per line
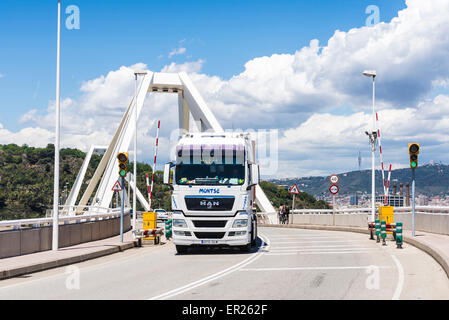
35 262
436 245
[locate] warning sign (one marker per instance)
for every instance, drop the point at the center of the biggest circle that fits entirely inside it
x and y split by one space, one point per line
117 186
294 189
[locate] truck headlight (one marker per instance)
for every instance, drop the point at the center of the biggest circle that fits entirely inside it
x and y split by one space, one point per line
240 223
179 223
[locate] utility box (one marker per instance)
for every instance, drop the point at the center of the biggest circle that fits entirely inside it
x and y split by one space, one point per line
149 222
386 214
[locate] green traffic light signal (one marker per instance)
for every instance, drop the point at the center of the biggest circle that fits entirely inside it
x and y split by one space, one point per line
123 159
413 150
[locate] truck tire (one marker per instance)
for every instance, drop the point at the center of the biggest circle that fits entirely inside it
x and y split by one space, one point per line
245 248
181 249
254 235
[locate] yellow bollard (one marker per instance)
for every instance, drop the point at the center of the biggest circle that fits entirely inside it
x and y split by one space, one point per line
149 222
386 214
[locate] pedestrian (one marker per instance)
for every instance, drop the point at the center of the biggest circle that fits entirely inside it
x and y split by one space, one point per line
281 214
287 214
284 212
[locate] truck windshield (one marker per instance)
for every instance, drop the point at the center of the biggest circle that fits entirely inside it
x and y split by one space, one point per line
210 174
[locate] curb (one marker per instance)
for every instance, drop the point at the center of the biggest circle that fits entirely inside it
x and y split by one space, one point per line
438 256
6 274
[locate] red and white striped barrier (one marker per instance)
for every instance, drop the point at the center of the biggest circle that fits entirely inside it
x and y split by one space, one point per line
154 163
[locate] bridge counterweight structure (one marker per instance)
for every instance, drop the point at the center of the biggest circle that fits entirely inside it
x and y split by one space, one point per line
190 102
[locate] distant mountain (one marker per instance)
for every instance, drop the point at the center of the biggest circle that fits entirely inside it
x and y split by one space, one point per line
431 180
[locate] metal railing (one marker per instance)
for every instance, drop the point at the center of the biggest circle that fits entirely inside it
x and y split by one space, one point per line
89 214
418 209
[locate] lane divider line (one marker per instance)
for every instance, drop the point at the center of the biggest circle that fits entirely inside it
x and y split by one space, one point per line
318 252
265 245
312 268
400 285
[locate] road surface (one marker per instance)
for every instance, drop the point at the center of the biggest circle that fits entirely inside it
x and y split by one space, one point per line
287 264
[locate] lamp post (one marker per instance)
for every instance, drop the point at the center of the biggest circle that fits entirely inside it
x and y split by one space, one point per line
55 238
372 137
136 74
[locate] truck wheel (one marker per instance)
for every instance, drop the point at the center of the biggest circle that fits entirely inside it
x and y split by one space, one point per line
181 249
254 235
245 248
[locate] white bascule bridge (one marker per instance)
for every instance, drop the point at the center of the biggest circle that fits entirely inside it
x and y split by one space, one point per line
190 103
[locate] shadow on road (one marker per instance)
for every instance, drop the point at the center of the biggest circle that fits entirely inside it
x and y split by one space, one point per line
203 250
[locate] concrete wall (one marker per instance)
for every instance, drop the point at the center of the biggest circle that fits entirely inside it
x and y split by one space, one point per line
25 241
428 222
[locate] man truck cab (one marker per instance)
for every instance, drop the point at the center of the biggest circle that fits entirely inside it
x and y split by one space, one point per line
213 180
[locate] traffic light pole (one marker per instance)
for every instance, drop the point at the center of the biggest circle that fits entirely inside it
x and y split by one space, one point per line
413 202
122 208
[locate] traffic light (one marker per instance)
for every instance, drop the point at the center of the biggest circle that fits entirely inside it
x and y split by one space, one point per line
413 150
122 162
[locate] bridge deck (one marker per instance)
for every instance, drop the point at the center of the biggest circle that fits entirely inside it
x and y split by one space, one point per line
20 265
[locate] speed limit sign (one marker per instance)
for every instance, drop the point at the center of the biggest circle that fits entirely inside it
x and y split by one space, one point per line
334 179
334 189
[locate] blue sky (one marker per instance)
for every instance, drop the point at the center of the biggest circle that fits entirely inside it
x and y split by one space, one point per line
256 63
225 34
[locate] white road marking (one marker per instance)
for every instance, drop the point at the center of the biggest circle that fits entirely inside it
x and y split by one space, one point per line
322 250
312 268
317 252
308 247
217 275
319 241
400 284
305 237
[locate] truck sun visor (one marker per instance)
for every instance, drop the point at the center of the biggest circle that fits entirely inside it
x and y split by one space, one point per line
208 154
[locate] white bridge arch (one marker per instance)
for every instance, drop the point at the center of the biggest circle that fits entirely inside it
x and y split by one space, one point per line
190 102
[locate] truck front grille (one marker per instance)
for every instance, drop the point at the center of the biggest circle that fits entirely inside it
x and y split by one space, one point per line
210 235
209 224
209 203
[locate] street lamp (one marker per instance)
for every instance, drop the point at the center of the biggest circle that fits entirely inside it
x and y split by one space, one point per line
372 137
136 74
55 235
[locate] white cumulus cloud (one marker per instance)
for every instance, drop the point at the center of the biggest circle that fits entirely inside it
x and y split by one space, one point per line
297 93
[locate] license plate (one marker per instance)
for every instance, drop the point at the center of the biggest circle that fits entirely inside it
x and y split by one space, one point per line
209 241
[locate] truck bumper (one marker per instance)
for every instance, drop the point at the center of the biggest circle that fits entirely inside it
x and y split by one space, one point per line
226 241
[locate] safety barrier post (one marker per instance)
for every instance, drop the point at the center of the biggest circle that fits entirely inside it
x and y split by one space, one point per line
378 230
383 229
168 228
399 239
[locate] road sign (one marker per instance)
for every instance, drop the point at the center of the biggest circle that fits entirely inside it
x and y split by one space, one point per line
117 186
334 189
334 179
294 190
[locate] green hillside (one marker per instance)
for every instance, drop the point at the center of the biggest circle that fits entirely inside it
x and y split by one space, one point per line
26 179
26 182
280 196
431 180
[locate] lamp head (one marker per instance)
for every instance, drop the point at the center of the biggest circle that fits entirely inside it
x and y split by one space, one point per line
370 73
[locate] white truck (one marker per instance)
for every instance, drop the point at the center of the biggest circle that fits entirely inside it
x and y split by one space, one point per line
213 180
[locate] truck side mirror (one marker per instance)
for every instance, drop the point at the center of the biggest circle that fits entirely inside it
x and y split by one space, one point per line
255 175
167 173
